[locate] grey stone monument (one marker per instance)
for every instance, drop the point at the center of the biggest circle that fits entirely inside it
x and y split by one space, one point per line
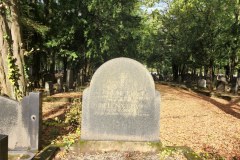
49 88
202 83
79 79
3 147
121 103
69 80
21 121
60 84
235 85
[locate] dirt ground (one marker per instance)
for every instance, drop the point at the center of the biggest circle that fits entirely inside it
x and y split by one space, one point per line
205 124
200 122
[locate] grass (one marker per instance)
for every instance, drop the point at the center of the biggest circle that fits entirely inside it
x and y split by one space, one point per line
18 156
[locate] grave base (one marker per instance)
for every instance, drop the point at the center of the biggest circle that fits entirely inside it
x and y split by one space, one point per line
23 155
108 146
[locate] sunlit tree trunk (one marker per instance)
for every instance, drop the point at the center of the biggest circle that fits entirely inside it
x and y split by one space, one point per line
11 46
5 85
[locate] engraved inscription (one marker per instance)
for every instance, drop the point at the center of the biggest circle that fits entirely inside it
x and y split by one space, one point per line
124 103
110 109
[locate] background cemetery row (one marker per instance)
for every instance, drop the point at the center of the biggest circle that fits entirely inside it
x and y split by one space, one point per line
177 39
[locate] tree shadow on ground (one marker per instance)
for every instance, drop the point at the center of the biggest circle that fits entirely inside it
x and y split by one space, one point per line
53 128
227 108
55 110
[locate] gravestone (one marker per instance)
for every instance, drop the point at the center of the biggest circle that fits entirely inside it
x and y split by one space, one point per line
69 80
49 88
202 83
47 77
3 147
220 86
60 84
121 103
235 83
21 121
221 83
80 78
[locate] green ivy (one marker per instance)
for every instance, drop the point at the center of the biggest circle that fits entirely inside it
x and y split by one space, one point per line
4 9
14 75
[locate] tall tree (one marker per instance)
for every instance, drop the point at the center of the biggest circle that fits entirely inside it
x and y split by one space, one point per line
13 82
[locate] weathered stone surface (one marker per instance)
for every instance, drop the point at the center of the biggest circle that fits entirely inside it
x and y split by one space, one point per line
21 121
121 103
69 80
49 88
60 84
221 85
3 147
235 85
202 83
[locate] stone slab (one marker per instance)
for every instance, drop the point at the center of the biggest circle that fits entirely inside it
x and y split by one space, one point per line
202 83
121 103
21 121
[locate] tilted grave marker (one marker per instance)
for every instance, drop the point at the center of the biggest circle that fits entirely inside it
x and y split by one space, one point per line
121 103
202 83
21 121
69 79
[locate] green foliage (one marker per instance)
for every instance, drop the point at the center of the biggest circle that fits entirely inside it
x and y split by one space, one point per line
70 139
71 55
72 116
192 34
111 29
14 75
188 35
35 26
213 156
53 122
183 152
4 8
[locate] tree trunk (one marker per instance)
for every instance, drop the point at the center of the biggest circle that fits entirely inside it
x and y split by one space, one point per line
65 63
211 73
5 85
36 75
17 45
52 65
175 71
11 47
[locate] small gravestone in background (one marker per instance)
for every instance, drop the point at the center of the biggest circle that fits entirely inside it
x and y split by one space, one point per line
60 84
21 121
3 147
202 83
121 103
235 84
80 78
220 86
69 80
221 83
47 77
49 88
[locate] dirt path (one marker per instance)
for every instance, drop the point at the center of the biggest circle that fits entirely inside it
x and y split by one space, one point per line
200 122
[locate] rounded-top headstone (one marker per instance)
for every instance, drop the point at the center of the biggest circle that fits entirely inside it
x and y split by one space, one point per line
121 103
